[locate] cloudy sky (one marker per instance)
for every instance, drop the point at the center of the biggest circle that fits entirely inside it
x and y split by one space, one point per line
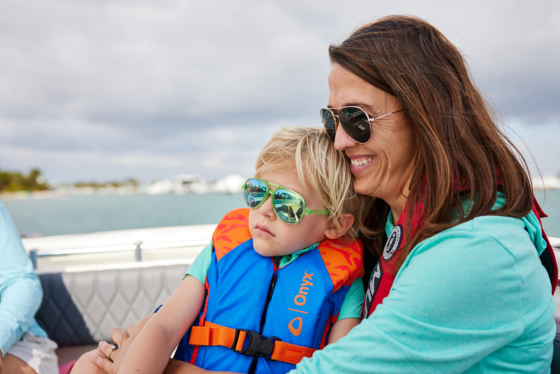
99 90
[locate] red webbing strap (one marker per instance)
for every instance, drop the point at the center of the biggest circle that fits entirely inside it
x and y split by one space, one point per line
202 319
216 335
548 258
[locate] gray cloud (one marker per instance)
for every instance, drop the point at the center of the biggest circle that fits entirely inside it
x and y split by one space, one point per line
106 89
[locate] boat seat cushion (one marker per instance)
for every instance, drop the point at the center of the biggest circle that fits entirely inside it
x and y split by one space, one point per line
82 308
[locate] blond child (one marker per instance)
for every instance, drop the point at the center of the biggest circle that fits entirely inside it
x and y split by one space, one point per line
279 280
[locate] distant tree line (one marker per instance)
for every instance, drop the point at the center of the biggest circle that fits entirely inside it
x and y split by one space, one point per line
16 181
127 182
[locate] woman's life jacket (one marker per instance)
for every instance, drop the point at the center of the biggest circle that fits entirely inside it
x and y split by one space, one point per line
383 276
260 318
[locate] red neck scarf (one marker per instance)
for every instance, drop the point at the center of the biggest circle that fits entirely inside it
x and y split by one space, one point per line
382 278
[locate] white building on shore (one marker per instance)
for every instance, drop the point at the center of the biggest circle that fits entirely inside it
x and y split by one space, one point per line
178 185
187 183
548 182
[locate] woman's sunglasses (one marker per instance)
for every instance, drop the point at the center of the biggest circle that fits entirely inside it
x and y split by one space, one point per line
355 122
288 205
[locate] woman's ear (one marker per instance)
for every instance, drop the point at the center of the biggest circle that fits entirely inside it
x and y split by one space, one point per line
345 222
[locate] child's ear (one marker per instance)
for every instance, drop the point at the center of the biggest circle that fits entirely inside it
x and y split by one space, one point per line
345 221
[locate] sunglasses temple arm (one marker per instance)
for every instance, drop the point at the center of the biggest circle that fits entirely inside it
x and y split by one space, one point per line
309 211
385 115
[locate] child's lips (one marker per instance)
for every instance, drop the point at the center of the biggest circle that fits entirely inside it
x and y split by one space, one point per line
263 230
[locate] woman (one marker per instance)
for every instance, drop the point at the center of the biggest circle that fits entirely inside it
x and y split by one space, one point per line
459 277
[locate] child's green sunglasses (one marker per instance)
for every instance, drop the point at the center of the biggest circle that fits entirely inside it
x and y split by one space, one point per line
288 205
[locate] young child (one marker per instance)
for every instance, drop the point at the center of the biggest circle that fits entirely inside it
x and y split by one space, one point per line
279 280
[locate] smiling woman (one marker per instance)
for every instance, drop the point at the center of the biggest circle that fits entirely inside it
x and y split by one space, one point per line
454 213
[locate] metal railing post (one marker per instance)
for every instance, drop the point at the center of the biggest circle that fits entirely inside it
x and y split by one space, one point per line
138 251
33 257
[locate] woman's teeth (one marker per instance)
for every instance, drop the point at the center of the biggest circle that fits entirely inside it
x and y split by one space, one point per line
361 162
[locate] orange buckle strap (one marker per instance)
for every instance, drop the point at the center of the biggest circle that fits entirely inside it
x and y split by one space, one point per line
259 345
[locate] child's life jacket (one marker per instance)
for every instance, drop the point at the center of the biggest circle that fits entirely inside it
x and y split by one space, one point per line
260 318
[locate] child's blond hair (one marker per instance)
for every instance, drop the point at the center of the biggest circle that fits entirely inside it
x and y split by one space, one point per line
320 169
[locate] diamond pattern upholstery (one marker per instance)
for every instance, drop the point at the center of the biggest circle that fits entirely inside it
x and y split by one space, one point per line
83 308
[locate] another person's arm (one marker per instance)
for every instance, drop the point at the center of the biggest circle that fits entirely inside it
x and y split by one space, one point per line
350 314
20 289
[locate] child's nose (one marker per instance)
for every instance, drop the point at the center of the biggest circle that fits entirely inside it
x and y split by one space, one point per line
266 209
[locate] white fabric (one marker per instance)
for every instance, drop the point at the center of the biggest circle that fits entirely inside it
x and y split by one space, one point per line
37 352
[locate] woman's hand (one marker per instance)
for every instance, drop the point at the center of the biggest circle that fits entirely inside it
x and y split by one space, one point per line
110 360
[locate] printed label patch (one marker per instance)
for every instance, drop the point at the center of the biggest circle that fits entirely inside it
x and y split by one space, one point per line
372 288
393 243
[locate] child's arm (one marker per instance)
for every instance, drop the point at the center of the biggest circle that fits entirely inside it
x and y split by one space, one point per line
341 328
150 351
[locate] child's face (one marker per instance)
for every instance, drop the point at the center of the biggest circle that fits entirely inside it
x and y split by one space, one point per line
274 237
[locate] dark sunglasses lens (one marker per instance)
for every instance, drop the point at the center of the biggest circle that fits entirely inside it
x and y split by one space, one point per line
328 121
288 205
355 123
255 191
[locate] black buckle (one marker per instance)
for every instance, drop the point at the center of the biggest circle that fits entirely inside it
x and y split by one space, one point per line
259 345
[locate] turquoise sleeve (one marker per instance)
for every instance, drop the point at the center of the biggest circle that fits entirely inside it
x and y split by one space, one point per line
458 302
201 264
20 289
353 301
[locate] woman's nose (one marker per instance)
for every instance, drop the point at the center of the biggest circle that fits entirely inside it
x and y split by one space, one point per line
342 141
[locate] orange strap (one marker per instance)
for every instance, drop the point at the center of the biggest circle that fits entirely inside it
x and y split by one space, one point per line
212 335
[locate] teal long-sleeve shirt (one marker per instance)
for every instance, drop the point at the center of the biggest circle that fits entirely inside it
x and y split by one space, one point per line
474 299
20 289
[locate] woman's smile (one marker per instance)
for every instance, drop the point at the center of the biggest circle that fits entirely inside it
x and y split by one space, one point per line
359 162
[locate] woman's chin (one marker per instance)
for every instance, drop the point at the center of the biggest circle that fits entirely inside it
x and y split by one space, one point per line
365 181
365 186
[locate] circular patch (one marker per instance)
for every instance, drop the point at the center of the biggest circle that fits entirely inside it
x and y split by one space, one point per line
393 243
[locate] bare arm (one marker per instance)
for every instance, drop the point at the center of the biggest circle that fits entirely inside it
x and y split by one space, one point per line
149 353
341 328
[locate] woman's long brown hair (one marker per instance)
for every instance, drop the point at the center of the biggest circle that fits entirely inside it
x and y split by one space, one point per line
461 154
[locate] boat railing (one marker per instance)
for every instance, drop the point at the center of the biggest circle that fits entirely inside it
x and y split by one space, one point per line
137 247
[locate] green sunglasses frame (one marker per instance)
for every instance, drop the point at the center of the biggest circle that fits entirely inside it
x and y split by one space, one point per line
270 193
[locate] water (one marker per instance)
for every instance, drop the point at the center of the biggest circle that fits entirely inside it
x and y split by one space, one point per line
84 214
551 206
